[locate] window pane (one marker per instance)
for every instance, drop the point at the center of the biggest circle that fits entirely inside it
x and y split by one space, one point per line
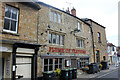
51 17
56 61
78 42
60 60
55 17
78 26
98 34
45 68
61 40
13 25
14 14
60 66
50 61
6 24
45 61
7 12
58 39
50 38
59 18
56 66
54 39
50 68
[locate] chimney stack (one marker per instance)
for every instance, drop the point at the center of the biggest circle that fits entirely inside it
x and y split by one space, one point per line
68 11
73 11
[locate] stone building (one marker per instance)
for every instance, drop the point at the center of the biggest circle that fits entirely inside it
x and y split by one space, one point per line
112 53
99 39
67 41
19 46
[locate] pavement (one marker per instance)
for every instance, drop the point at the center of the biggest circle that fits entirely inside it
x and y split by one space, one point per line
81 74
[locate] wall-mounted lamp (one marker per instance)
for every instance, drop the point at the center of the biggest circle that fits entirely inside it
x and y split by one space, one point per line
48 53
48 26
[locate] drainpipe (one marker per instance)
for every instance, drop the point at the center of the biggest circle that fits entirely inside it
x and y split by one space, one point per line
37 26
92 41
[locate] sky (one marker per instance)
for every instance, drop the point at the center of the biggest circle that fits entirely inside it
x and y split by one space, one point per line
105 12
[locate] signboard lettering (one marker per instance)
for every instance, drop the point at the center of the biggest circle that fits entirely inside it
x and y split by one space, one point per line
62 50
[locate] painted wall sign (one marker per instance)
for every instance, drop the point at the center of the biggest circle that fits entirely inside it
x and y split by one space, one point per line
62 50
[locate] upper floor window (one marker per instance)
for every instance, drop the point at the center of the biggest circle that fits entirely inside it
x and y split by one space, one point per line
51 16
99 37
56 17
11 19
113 48
56 39
80 43
79 26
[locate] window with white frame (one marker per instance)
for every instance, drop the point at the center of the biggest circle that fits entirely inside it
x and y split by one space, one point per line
82 62
55 17
11 19
59 18
80 43
52 64
51 16
79 26
56 39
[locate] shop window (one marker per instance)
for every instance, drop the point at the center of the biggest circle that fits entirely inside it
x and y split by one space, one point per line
99 37
52 64
67 63
55 17
80 43
82 62
56 39
11 19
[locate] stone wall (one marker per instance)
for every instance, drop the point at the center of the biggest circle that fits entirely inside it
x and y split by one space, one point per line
27 25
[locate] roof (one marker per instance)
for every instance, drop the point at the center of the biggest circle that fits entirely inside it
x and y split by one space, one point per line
63 12
34 5
110 44
86 19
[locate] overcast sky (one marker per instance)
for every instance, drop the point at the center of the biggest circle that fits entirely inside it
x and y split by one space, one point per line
105 12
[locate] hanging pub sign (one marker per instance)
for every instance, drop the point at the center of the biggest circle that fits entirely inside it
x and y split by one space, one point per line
62 50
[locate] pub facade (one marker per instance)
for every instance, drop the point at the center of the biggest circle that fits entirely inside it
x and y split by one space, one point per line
67 40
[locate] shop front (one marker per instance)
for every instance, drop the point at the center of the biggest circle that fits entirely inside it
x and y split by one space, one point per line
63 58
19 60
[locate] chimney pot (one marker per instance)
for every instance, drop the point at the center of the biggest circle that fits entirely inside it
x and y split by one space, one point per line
73 11
68 11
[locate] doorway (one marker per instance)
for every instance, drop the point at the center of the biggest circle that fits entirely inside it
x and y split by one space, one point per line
23 67
97 56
